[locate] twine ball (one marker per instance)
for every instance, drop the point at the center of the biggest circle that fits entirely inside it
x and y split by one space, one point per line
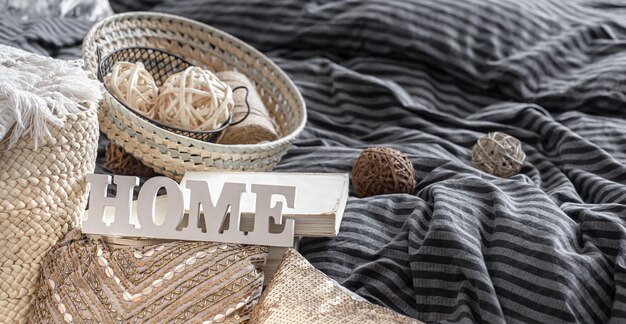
134 85
194 99
499 154
382 170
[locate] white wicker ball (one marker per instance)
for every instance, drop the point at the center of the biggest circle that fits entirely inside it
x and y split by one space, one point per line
134 85
499 154
194 99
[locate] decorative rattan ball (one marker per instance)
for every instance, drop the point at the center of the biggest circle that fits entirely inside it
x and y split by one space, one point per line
134 85
194 99
382 170
120 162
499 154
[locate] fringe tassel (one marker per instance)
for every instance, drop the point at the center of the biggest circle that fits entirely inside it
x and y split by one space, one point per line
37 91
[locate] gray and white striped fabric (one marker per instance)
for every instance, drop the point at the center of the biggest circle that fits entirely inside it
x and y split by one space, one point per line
429 78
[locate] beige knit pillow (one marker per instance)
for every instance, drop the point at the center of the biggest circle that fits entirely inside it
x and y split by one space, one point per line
299 293
84 281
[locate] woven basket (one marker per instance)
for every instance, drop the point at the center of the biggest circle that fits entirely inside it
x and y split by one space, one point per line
171 154
43 194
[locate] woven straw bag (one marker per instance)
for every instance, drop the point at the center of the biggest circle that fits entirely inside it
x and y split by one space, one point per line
171 154
42 196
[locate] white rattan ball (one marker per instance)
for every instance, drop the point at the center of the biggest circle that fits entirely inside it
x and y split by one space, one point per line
499 154
194 99
134 85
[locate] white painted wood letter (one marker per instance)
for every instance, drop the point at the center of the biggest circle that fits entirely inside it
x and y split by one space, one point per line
146 201
215 214
264 211
98 200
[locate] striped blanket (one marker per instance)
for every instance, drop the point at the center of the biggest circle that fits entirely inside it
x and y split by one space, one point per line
429 78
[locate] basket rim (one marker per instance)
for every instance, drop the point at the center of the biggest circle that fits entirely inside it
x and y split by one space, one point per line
138 15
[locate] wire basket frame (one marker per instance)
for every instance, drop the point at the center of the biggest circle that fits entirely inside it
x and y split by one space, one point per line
161 65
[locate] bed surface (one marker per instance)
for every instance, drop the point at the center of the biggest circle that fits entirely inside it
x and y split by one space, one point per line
429 78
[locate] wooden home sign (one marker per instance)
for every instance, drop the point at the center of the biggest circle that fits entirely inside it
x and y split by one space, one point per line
208 206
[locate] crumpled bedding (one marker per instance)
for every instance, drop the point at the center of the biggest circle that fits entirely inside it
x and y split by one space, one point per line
429 78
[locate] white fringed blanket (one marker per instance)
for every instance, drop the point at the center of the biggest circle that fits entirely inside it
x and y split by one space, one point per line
37 90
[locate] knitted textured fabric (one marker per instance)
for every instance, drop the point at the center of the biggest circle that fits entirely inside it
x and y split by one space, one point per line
85 281
299 293
382 170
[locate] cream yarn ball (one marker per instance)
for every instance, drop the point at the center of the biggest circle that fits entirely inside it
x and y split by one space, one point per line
134 85
194 99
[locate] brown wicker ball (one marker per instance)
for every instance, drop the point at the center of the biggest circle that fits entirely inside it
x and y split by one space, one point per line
382 170
120 162
499 154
